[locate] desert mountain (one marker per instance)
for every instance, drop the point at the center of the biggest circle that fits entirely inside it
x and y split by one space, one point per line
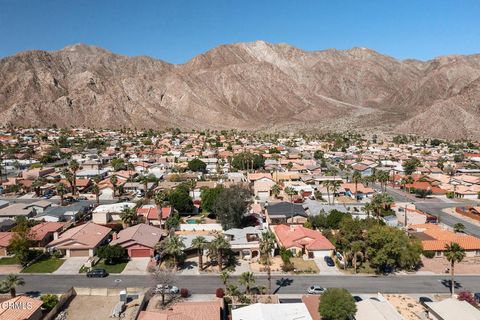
254 86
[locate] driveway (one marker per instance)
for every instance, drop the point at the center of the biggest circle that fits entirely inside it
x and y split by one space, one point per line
326 270
136 266
71 265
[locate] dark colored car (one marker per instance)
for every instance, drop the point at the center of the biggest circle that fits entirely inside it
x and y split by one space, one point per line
357 298
329 261
97 273
82 198
422 300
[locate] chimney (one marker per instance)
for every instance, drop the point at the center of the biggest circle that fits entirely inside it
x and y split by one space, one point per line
55 235
114 236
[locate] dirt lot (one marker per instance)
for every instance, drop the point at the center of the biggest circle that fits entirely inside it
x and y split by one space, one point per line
408 307
276 265
438 265
94 307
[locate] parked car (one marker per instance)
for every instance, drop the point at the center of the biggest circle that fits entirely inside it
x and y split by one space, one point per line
329 261
422 300
316 290
357 298
97 273
166 289
82 198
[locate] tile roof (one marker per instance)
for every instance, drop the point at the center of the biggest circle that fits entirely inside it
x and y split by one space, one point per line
5 238
298 236
24 308
151 213
39 231
85 236
143 234
197 310
437 238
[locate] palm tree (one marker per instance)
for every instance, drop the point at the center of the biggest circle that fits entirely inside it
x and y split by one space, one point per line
267 244
218 246
69 177
159 201
224 276
113 181
369 208
356 178
290 192
335 186
454 253
11 283
458 227
61 191
247 279
357 249
144 180
74 166
327 184
173 246
276 190
129 217
36 185
199 243
96 191
381 201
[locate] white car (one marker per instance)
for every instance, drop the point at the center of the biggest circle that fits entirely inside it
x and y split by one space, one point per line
316 290
166 289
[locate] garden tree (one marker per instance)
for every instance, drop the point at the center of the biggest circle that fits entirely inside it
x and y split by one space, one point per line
96 192
129 217
173 221
356 178
74 166
410 165
173 247
267 244
20 245
230 207
458 227
468 297
199 243
381 201
382 177
10 284
327 184
423 193
145 180
217 248
160 198
389 248
114 181
112 254
247 279
459 157
318 221
276 190
318 155
406 180
49 301
180 200
248 161
290 192
334 218
225 276
357 248
337 304
197 165
209 196
61 191
162 277
69 177
118 164
453 253
36 185
335 185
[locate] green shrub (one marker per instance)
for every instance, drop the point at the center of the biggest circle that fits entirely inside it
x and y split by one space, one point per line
429 254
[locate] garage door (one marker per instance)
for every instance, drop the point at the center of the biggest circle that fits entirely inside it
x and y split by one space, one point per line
140 253
79 253
321 253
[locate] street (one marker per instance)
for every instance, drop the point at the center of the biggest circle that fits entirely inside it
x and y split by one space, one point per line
206 284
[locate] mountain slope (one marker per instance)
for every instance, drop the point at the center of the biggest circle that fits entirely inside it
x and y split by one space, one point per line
246 86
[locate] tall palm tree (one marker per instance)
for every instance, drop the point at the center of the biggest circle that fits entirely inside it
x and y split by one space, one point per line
61 191
96 191
129 216
11 283
335 186
159 201
173 246
356 178
267 244
218 246
290 192
199 243
144 180
357 249
247 279
69 177
224 276
327 184
36 185
113 181
74 167
275 190
454 253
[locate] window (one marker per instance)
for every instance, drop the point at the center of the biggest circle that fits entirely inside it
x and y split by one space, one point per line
477 252
438 253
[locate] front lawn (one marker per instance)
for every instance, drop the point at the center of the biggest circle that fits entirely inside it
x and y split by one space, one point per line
110 268
44 265
301 265
9 261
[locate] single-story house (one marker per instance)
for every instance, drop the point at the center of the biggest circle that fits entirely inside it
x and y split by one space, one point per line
150 214
16 210
245 241
5 238
105 213
139 240
380 309
261 311
452 309
39 206
41 234
299 239
21 308
80 241
285 213
57 214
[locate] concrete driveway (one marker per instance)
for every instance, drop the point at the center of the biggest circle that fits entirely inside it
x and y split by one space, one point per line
71 265
136 266
325 269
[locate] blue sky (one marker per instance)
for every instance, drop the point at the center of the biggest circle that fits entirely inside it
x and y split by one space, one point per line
177 30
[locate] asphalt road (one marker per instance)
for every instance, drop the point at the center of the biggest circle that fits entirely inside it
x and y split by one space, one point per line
207 284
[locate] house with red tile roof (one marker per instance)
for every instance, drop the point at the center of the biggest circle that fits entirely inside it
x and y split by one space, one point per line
435 238
5 238
81 241
139 240
150 214
43 233
299 239
21 308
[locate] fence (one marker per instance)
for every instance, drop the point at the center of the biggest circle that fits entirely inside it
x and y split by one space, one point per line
200 227
62 303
